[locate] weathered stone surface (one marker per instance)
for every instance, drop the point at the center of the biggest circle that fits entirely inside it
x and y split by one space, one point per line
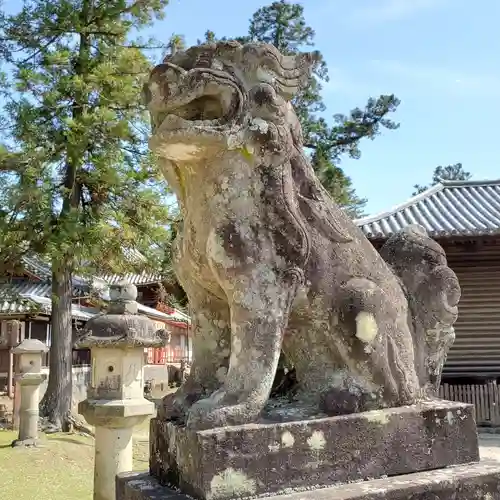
115 396
29 378
262 458
121 325
270 263
431 287
479 481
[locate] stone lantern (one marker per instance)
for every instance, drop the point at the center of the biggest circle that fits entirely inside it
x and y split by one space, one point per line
30 377
115 399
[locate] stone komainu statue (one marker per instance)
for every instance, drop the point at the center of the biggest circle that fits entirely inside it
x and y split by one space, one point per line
270 263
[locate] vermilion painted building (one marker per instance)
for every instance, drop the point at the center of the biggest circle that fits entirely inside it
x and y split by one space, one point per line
25 306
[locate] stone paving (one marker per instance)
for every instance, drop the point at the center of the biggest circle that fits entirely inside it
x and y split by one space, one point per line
489 446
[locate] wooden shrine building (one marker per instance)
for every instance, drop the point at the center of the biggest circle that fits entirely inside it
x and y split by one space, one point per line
464 217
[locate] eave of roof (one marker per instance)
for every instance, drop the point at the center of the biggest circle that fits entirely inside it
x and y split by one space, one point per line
135 279
31 287
18 306
174 316
27 297
41 269
77 311
35 304
451 208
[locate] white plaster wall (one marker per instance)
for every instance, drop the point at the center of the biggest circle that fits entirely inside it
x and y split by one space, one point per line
81 378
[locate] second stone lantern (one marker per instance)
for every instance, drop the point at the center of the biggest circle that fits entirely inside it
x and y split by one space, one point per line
115 402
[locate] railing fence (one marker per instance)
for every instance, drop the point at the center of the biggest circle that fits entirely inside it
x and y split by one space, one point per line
484 397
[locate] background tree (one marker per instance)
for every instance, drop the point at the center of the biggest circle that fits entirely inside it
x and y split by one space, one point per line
449 173
83 185
282 24
176 43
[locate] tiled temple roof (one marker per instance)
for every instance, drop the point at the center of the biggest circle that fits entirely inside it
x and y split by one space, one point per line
40 268
30 297
26 297
451 208
136 279
23 296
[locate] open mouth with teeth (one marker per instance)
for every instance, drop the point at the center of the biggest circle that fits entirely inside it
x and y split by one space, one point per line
211 105
205 108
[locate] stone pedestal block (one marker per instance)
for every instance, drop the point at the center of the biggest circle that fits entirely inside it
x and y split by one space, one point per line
474 481
264 458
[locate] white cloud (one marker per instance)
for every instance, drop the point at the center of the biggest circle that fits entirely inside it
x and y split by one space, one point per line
381 11
434 78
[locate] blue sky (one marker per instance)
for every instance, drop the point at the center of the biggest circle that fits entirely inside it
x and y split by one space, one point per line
440 57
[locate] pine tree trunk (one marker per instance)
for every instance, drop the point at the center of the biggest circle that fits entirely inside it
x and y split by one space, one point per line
56 403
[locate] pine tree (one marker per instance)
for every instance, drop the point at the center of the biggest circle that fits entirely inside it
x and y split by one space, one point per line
449 173
80 183
176 43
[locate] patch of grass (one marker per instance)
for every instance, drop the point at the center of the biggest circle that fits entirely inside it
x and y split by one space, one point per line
55 471
61 468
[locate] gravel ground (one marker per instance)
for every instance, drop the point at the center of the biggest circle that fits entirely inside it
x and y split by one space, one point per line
489 445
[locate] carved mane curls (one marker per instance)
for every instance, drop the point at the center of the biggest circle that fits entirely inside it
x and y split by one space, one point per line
311 204
305 201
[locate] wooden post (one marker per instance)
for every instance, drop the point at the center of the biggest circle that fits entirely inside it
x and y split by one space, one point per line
17 399
494 390
10 376
13 331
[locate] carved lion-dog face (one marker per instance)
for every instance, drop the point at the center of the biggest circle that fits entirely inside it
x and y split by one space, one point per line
222 94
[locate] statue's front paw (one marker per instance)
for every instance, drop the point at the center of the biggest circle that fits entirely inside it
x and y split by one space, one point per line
171 408
219 410
175 406
204 415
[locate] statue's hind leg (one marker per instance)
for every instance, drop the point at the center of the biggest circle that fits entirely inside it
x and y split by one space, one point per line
379 341
352 349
